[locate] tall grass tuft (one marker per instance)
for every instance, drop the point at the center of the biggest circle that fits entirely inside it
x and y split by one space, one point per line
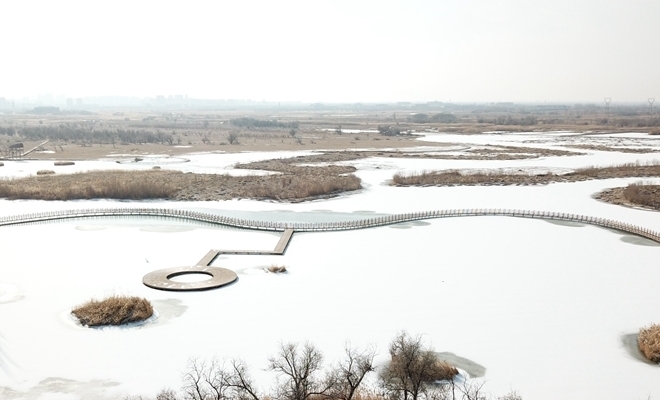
643 194
649 342
114 310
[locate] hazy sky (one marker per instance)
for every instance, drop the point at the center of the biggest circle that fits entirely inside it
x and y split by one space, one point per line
367 51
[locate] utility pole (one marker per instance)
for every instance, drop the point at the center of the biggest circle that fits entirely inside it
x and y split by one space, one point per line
607 105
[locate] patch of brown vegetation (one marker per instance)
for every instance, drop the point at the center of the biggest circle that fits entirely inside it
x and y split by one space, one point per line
276 269
308 183
89 185
488 152
649 342
63 163
458 178
293 165
45 172
635 194
512 153
639 150
645 195
114 310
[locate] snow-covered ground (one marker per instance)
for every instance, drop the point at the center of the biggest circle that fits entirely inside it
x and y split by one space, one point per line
546 307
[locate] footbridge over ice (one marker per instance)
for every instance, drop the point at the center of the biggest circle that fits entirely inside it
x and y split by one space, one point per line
365 223
162 279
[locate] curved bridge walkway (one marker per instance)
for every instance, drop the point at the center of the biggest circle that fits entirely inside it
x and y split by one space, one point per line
162 279
326 226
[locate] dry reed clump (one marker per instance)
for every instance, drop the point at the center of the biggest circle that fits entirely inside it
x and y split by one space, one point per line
2 164
114 310
649 342
643 194
89 185
276 269
175 185
455 178
445 371
45 172
297 187
63 163
437 370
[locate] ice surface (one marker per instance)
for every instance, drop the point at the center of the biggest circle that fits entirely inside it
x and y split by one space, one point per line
544 307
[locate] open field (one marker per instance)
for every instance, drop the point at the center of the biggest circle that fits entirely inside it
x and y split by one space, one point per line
77 135
483 291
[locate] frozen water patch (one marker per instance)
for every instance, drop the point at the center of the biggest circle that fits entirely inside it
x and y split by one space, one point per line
9 293
152 160
90 228
56 388
168 228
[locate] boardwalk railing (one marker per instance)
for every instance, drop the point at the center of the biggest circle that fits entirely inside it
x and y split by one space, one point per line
325 226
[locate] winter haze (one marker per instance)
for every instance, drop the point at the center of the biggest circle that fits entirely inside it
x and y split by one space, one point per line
334 51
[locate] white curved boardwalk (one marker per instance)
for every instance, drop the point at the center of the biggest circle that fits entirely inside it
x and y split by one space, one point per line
326 226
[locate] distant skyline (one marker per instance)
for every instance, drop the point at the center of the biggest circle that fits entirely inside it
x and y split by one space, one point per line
335 51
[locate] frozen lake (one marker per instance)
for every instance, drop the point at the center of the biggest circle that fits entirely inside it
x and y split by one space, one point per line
546 307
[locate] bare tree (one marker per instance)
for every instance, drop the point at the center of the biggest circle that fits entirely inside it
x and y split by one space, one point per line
512 395
232 138
413 370
166 394
205 381
298 367
347 376
474 390
243 388
218 381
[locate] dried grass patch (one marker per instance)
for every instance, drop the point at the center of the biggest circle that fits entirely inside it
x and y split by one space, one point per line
175 185
647 195
89 185
276 269
45 172
296 187
63 163
458 178
649 342
114 310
